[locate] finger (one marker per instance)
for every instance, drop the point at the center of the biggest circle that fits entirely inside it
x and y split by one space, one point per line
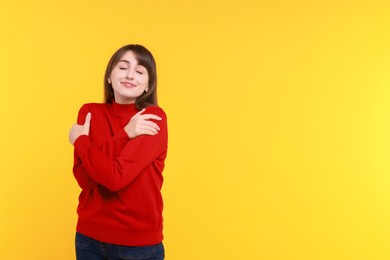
149 128
88 120
144 127
151 116
147 131
151 124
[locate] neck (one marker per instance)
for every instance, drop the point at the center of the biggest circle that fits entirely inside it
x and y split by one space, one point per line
124 101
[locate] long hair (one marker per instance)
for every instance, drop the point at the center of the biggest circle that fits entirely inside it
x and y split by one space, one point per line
145 58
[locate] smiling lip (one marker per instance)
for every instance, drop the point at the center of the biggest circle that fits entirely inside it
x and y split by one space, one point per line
128 84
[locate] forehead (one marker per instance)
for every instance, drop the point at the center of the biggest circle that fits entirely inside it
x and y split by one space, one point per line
129 57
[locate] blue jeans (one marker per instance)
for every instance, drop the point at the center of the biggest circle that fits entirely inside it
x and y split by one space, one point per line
91 249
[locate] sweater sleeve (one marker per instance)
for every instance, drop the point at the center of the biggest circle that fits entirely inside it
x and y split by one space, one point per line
83 179
117 172
85 182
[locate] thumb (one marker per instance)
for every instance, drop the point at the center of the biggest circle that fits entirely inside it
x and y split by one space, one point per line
87 120
140 112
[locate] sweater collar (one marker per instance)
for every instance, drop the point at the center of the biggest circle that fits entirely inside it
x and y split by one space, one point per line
123 109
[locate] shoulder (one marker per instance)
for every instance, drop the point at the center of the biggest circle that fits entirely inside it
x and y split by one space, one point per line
155 110
89 107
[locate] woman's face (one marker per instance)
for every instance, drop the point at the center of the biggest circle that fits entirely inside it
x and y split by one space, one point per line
128 79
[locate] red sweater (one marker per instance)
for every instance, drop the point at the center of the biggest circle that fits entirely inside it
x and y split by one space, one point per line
121 178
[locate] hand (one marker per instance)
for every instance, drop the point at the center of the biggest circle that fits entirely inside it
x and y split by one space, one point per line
78 130
140 125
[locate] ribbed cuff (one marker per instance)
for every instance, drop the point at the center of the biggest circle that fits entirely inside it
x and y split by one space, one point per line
122 135
81 143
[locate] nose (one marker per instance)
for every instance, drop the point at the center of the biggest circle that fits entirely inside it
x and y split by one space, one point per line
129 74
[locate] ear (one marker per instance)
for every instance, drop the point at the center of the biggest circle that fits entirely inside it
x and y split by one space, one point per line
109 80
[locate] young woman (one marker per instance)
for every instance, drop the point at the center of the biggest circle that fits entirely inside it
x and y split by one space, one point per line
120 148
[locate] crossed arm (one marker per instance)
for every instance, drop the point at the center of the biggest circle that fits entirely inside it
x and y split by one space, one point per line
139 124
91 166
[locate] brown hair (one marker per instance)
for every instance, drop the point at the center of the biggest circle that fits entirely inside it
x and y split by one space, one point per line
145 58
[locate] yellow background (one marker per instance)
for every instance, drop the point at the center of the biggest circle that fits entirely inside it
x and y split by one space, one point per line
278 118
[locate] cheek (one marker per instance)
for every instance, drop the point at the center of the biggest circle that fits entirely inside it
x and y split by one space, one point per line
117 73
143 80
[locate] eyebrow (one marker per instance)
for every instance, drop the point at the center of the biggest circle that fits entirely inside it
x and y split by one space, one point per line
126 61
